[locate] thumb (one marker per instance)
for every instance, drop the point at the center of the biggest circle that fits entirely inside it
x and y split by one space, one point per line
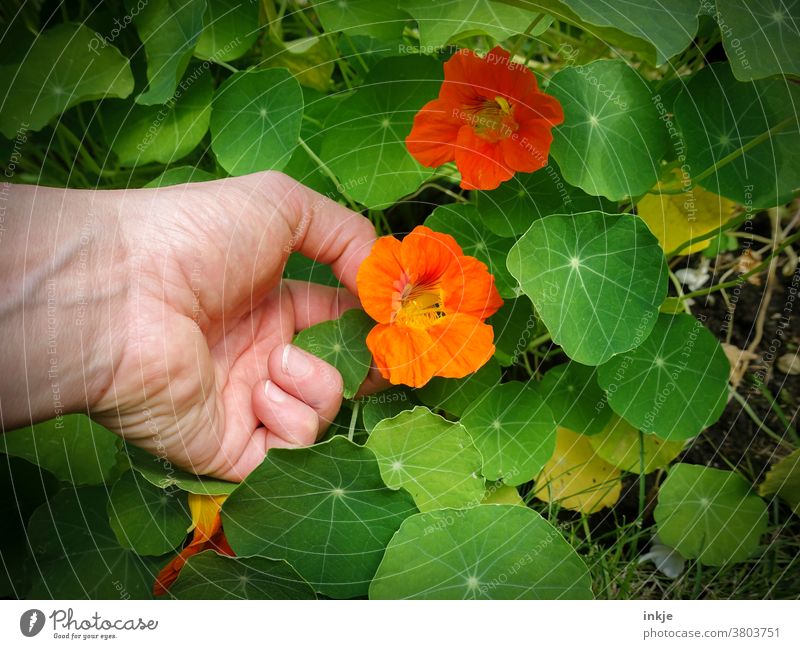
321 229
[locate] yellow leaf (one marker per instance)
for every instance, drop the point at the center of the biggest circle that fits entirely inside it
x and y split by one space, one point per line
618 444
783 479
676 218
576 478
310 60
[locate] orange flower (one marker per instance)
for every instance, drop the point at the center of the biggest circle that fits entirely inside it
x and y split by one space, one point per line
490 118
430 301
208 535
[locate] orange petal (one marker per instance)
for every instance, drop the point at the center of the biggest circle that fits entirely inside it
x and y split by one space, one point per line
401 354
465 79
462 345
527 153
426 254
480 162
378 278
433 136
469 288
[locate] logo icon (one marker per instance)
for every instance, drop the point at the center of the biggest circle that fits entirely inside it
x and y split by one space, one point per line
31 622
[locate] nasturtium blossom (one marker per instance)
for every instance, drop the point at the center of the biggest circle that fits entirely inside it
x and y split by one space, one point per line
430 301
490 117
208 535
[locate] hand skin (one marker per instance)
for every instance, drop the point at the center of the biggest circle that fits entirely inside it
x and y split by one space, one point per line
161 313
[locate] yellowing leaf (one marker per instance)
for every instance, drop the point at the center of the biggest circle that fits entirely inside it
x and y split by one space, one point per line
576 478
310 60
618 444
783 479
499 494
676 218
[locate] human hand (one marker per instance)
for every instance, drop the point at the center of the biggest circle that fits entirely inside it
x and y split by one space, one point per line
202 372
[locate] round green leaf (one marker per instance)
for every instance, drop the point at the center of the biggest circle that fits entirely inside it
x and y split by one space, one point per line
445 21
514 432
718 115
760 38
597 281
181 175
576 400
209 575
669 26
364 143
343 344
621 445
381 20
160 472
255 120
514 323
64 66
169 32
612 139
511 208
674 384
324 509
709 515
484 552
431 458
145 518
463 222
231 27
454 396
143 134
385 405
73 448
78 555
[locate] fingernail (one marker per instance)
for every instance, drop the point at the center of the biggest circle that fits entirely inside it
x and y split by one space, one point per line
274 393
295 362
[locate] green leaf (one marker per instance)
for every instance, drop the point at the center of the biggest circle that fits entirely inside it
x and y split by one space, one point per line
169 30
510 209
230 28
576 400
381 20
612 139
385 405
485 552
180 175
445 21
343 344
595 279
454 396
312 60
718 115
143 134
514 323
431 458
73 448
160 472
209 575
145 518
670 27
709 515
463 222
364 143
308 270
79 556
621 445
255 120
760 38
514 431
324 509
783 479
674 384
66 65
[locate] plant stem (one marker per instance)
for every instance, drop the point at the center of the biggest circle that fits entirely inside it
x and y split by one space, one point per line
753 271
326 170
523 36
353 419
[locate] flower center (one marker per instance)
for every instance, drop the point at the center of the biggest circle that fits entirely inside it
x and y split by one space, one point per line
417 306
494 120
